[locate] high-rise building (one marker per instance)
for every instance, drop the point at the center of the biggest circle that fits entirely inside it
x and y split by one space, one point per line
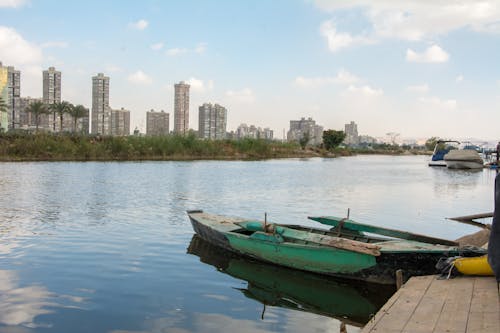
101 112
181 108
157 123
51 86
212 121
51 95
303 127
120 122
4 118
351 134
10 91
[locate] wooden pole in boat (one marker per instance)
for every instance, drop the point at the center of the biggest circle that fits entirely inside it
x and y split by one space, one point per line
399 279
343 328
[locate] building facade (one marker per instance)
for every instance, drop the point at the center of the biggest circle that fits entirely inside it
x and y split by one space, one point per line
253 132
51 95
351 134
26 119
302 127
101 112
181 108
157 123
4 118
120 122
212 121
10 91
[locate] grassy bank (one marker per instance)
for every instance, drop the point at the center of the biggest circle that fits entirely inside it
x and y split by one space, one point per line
66 147
50 147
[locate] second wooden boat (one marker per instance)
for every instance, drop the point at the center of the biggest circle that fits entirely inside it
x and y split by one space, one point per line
346 250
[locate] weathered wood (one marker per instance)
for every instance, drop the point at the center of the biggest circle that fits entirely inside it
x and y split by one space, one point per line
338 222
398 310
399 279
337 242
426 304
455 312
469 219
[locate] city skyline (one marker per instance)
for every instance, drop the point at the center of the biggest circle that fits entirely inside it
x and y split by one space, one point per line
419 69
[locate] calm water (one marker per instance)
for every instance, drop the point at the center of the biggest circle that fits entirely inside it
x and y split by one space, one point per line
107 247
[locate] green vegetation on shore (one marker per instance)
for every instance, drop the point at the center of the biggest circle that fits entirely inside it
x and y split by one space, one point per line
68 147
23 146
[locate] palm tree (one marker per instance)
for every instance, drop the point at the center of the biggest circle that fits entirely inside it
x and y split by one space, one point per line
60 108
77 112
3 108
37 109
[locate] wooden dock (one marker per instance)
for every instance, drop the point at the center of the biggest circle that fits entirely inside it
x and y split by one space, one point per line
426 304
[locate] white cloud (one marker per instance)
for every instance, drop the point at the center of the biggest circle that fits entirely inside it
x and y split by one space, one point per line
435 102
113 69
433 54
459 78
365 91
421 88
340 40
199 85
13 3
58 44
139 25
245 95
175 51
201 48
157 46
15 50
139 77
342 77
419 20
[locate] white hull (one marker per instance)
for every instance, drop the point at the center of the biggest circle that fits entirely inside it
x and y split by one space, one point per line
464 165
440 163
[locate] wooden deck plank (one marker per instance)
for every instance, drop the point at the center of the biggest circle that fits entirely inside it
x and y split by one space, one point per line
426 304
455 313
426 315
393 316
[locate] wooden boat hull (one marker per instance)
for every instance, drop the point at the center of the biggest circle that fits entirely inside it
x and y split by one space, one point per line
327 260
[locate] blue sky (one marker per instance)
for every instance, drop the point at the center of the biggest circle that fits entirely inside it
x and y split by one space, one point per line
418 68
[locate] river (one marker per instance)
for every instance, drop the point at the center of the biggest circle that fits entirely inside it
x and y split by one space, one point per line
107 246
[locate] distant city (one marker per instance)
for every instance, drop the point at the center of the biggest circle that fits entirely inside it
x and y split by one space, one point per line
102 119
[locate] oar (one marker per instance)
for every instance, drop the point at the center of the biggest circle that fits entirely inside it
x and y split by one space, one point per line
469 219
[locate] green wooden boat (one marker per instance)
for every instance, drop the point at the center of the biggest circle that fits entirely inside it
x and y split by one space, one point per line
352 302
345 250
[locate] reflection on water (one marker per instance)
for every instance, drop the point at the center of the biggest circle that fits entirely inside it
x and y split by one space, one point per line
20 305
350 302
101 247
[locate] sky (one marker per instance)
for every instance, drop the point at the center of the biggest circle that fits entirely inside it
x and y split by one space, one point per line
418 68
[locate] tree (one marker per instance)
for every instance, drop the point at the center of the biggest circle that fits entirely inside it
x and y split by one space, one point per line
37 109
332 138
431 143
60 108
304 140
77 112
3 108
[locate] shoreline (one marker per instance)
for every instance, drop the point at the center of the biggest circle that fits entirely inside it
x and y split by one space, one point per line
46 147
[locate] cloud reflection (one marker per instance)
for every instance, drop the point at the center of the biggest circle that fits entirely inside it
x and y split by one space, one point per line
19 306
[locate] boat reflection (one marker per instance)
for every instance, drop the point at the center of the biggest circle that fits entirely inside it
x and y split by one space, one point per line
353 303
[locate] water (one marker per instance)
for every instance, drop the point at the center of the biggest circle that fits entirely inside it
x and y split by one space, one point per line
103 247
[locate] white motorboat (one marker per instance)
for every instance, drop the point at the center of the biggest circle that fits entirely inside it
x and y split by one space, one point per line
442 148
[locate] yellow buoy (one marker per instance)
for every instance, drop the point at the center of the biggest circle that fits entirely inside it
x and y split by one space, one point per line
474 266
